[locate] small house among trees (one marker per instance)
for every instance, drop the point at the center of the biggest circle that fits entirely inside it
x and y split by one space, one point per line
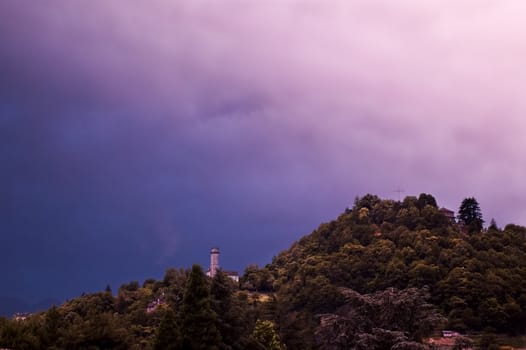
450 214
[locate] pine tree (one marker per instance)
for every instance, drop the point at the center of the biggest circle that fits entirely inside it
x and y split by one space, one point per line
493 226
198 319
168 335
229 313
470 216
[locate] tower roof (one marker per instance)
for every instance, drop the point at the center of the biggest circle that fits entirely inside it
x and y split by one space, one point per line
214 251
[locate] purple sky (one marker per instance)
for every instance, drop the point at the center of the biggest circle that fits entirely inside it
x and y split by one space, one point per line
136 135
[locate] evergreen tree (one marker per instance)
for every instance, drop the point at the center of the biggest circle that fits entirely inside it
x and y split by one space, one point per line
169 335
493 226
221 294
470 216
231 318
198 319
228 313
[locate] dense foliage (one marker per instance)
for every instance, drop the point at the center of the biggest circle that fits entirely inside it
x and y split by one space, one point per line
383 275
478 281
470 216
186 310
383 320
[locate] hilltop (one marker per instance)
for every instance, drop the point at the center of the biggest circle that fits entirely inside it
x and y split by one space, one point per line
11 305
477 279
383 274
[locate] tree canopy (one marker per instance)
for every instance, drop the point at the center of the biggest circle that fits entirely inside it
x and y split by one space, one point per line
198 320
470 216
382 275
382 320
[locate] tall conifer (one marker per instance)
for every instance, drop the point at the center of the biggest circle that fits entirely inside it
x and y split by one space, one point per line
169 335
198 319
229 313
470 216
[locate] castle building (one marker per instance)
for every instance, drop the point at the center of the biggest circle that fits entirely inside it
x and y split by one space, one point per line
214 266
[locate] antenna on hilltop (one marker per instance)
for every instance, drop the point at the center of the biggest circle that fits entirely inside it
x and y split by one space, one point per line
399 191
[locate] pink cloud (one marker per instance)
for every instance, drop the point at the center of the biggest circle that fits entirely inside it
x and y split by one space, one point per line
418 94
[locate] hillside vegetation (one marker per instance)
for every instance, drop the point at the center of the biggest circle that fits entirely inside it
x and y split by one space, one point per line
384 275
477 279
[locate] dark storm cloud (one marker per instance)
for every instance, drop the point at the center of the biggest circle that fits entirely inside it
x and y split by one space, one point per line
135 136
105 177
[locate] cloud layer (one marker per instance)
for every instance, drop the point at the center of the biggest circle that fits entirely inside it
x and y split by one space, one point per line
137 135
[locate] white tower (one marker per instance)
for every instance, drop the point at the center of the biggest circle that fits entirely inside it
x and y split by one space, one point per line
214 261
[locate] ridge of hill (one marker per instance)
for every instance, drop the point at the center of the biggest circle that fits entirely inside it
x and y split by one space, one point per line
476 279
12 305
383 274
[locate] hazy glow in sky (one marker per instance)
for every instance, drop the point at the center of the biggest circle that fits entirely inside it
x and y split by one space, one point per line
135 135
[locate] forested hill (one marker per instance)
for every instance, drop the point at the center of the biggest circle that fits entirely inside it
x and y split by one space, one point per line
476 277
384 275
